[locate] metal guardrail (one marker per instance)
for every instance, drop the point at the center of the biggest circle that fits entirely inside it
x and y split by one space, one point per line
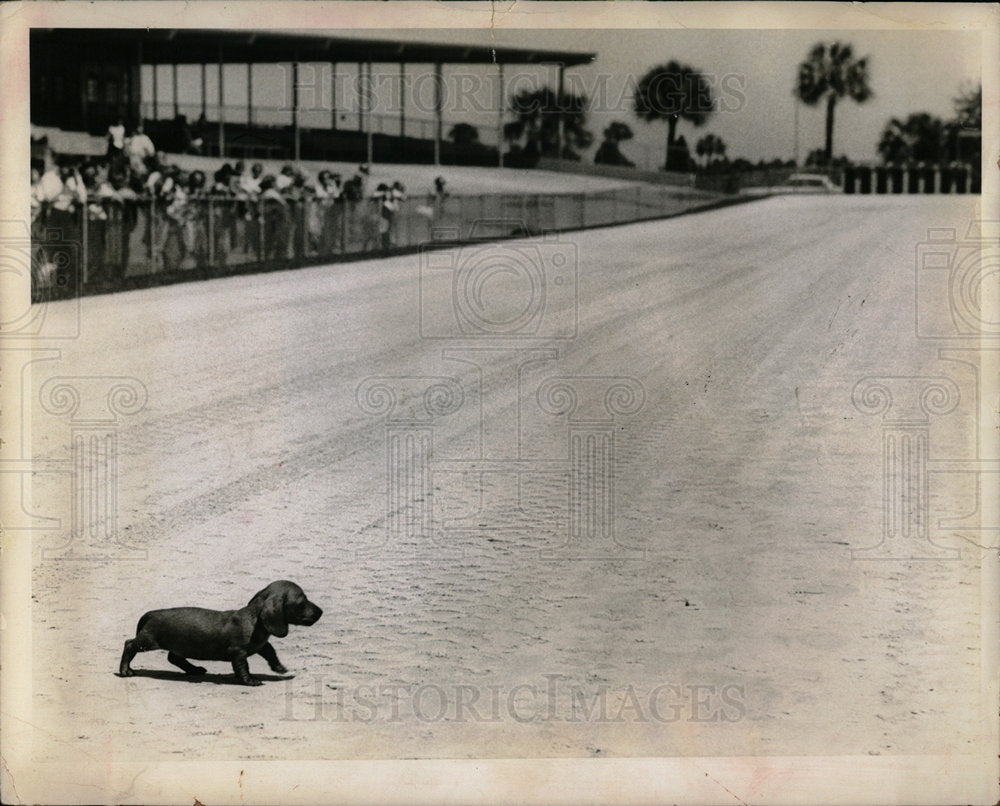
129 243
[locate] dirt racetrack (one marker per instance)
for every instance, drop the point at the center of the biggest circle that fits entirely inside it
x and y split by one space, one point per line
690 591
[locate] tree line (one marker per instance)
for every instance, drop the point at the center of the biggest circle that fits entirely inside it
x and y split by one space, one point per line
674 93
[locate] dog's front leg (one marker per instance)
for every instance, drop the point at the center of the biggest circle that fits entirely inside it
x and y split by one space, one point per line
242 668
267 653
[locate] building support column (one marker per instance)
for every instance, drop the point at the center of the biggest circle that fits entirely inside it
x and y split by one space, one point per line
249 94
368 87
561 133
333 96
135 101
177 109
437 113
361 97
500 112
402 101
296 133
222 109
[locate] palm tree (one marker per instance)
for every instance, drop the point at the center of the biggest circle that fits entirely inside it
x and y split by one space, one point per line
539 113
831 73
710 145
673 92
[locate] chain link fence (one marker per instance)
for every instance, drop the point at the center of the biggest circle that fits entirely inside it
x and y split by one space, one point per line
132 243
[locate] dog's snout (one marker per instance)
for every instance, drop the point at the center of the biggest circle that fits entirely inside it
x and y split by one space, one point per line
312 614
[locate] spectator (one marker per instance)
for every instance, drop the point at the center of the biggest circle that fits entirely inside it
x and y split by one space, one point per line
353 189
434 208
329 208
225 182
72 193
41 267
194 219
96 222
116 140
174 197
251 182
299 197
391 198
66 197
139 149
50 184
37 169
274 212
285 179
250 188
122 219
362 176
221 180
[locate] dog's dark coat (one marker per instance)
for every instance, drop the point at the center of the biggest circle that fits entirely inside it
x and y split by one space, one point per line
229 635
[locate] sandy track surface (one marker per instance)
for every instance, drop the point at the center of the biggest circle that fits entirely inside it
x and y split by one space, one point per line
726 616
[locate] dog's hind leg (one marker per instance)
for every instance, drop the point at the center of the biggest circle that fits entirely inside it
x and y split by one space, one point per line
133 646
144 641
127 654
185 664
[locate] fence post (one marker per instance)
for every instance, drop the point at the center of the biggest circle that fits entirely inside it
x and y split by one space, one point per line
259 213
211 232
304 224
343 227
85 246
150 215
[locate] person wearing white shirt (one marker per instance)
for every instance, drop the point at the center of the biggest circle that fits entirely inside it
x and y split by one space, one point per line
50 185
140 148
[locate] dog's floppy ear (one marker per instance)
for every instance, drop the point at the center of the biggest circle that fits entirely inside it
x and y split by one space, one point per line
272 613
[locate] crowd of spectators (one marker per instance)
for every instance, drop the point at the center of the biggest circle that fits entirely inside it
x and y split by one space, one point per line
239 207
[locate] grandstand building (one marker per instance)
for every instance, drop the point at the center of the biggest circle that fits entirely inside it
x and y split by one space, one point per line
83 80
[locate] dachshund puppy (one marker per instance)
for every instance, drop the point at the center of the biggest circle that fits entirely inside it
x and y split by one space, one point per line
231 635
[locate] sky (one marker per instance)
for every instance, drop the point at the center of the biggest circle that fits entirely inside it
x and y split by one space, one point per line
752 73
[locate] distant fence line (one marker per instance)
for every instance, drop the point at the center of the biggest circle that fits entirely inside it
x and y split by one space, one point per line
124 244
958 178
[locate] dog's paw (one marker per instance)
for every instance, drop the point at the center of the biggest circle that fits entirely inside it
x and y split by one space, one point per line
278 668
126 672
252 681
196 670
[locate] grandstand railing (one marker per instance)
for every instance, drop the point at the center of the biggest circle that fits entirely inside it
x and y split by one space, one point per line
146 241
388 123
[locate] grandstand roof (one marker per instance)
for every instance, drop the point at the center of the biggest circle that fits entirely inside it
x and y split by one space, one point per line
193 46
